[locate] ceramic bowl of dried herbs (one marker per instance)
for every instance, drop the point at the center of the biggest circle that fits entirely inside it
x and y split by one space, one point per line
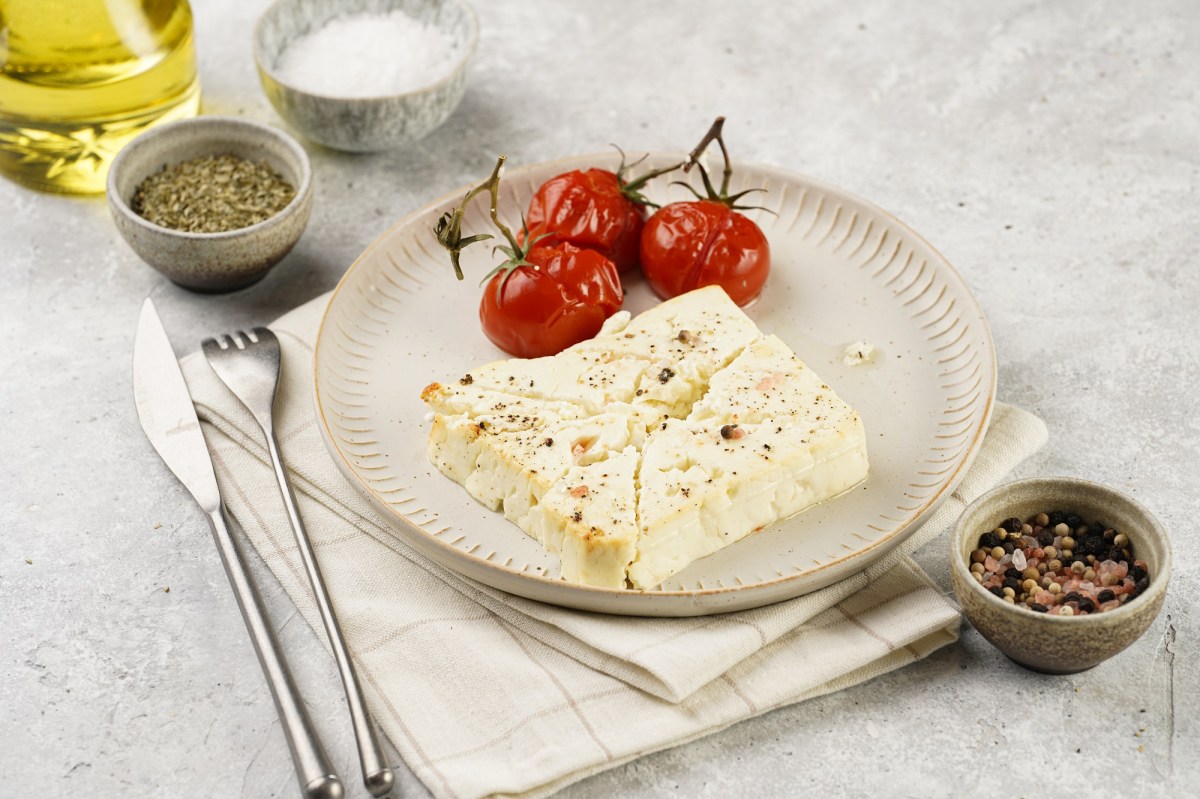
212 202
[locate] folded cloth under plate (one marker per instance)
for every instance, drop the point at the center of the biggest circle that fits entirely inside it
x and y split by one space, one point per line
486 693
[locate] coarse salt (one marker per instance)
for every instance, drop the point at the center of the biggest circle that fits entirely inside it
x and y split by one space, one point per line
368 55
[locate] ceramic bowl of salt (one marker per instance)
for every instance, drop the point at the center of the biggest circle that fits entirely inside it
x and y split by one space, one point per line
365 75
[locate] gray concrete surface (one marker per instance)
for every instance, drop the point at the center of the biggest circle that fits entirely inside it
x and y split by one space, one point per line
1048 149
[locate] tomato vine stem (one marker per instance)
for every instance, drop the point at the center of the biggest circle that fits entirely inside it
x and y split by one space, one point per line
714 132
449 226
723 196
632 189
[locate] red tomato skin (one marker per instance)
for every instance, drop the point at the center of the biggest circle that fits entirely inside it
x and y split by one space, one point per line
587 209
688 245
562 299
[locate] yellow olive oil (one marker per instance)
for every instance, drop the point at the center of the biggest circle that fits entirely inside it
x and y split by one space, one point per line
81 78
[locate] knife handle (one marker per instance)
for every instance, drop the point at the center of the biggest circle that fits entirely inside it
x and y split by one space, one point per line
316 776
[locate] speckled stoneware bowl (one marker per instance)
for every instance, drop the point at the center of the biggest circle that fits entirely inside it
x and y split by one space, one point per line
211 262
362 124
1060 644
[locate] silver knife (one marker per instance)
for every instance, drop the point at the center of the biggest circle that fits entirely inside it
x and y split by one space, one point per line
168 416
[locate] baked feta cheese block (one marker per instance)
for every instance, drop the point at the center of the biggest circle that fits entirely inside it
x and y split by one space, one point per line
663 439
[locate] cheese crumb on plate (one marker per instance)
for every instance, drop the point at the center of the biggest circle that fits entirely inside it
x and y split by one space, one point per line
858 353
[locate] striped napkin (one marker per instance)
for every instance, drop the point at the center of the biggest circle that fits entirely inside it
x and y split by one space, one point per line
484 693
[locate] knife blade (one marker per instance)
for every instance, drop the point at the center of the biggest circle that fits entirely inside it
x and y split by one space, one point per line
164 406
168 416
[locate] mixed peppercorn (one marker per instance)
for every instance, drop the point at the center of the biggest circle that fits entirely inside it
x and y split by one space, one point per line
1059 564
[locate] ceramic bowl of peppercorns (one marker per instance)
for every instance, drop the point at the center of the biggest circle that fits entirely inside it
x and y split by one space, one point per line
1059 573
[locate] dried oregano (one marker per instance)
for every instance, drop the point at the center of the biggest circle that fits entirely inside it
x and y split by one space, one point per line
212 194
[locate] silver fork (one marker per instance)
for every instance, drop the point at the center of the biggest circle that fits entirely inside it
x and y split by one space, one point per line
248 363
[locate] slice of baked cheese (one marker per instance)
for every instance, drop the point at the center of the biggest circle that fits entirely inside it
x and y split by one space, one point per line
663 439
590 518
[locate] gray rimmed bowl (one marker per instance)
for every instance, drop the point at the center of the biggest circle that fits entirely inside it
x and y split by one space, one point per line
211 262
362 124
1060 644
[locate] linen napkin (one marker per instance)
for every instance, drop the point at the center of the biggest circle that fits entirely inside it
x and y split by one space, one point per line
484 693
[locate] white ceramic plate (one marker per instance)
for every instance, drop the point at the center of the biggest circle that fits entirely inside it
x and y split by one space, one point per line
842 270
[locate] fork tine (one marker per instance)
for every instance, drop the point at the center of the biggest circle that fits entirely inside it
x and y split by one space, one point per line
266 337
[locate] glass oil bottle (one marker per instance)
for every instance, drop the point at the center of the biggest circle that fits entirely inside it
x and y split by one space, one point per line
81 78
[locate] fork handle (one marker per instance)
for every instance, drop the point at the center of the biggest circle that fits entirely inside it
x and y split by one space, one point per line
316 776
377 774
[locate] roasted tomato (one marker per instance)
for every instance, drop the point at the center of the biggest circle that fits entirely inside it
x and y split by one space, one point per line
560 296
687 245
541 299
588 210
706 241
594 208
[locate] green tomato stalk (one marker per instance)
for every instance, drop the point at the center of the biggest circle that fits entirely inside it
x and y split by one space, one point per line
723 196
449 227
632 189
